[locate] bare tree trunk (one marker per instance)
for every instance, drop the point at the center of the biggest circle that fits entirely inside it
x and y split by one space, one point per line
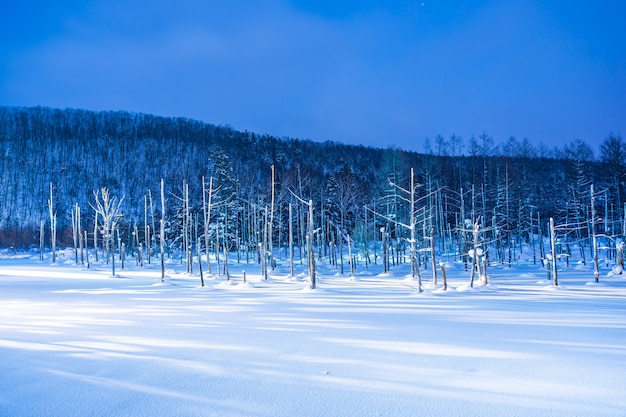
309 242
366 241
217 249
311 252
291 271
619 255
86 250
152 230
162 232
265 245
186 226
74 237
542 251
553 245
532 239
607 232
271 224
463 245
476 252
258 233
41 239
112 251
594 240
340 245
206 207
80 235
485 262
443 276
53 227
226 272
139 258
624 221
199 261
383 240
301 216
350 260
432 255
95 236
146 227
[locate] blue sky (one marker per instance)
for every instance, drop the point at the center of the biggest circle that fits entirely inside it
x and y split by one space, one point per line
369 72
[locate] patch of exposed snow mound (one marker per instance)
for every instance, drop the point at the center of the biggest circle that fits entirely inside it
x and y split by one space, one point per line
616 270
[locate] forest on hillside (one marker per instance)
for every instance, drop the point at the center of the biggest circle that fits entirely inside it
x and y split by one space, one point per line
258 188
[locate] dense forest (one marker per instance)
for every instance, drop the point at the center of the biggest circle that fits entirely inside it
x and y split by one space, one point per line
55 164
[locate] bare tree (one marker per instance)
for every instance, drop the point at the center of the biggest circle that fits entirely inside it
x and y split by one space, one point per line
108 208
553 254
477 254
206 216
619 256
309 239
146 227
291 272
162 232
414 213
53 226
77 234
41 240
594 238
270 248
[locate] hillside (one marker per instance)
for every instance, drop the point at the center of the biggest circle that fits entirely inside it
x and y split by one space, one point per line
79 151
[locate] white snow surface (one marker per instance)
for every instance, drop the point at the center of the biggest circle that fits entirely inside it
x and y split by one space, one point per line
79 342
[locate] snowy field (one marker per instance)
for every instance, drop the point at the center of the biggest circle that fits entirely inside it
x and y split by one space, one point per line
78 342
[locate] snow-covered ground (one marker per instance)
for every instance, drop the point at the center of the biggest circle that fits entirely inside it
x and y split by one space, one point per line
78 342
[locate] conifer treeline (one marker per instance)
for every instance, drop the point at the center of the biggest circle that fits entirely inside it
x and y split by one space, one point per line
80 151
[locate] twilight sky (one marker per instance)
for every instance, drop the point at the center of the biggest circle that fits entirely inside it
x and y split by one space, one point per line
371 72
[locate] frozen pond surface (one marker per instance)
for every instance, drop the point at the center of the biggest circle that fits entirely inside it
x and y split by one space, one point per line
78 342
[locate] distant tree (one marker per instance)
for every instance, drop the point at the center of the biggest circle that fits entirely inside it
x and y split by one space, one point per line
578 172
347 197
578 150
613 156
441 145
428 148
503 215
225 203
544 152
526 150
456 152
511 148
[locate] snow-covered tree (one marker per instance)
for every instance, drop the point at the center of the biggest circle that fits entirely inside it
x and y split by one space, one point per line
108 209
